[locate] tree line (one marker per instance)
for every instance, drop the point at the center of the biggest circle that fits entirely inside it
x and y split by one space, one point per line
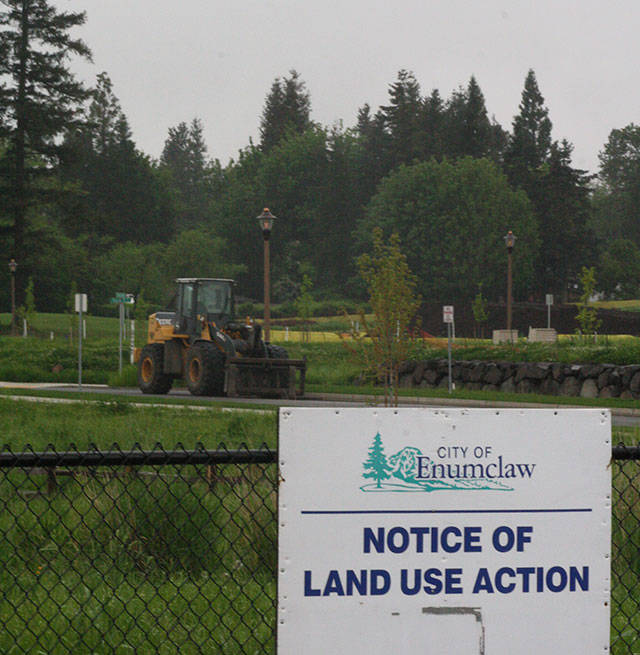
84 208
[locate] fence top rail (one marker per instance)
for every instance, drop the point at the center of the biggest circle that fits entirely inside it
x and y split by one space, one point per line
117 457
625 452
158 456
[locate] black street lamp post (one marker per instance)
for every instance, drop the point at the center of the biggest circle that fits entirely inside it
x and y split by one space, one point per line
509 240
266 224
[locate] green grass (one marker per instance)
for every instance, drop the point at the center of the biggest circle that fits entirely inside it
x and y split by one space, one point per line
106 422
65 327
129 563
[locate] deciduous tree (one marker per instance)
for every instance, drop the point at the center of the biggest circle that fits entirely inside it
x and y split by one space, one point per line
452 217
392 295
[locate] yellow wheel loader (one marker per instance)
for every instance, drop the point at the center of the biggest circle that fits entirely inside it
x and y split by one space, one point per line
201 341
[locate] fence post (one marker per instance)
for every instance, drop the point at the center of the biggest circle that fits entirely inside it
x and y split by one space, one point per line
52 483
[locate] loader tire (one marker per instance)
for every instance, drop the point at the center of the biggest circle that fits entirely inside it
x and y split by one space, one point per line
205 370
151 377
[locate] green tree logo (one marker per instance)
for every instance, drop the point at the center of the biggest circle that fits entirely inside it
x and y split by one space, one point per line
376 466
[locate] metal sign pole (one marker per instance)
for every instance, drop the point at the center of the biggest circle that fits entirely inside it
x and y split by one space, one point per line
449 354
549 301
80 347
447 317
121 308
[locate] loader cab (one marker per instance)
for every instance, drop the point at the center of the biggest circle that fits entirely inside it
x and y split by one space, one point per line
209 298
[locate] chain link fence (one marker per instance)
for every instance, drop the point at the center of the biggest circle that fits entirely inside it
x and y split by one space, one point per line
176 552
138 552
625 550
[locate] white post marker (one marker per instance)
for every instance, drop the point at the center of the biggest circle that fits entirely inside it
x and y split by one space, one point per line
447 317
462 531
131 299
549 302
80 306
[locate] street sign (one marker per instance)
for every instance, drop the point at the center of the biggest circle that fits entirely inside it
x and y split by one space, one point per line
549 299
124 298
81 302
463 531
447 314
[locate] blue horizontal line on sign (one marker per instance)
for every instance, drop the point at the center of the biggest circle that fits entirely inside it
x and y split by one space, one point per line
447 511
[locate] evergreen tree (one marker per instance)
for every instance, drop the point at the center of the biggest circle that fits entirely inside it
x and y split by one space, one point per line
562 204
618 207
402 118
530 143
374 161
558 192
105 117
124 195
619 270
287 109
468 127
39 100
376 466
184 158
431 128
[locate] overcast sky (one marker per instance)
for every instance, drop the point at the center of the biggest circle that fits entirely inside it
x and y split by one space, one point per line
172 60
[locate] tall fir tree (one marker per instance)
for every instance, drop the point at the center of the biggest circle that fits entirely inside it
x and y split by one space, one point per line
530 143
618 206
467 123
402 118
562 205
287 109
375 145
184 157
559 193
431 129
124 196
39 100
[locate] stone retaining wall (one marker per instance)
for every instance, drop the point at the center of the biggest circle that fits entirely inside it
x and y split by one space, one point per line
551 378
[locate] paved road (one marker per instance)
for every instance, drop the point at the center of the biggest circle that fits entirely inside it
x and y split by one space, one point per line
620 416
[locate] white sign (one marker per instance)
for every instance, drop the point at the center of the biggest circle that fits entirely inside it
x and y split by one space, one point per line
447 314
549 299
459 531
81 302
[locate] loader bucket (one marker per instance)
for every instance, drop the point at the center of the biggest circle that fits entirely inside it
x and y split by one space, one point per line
265 377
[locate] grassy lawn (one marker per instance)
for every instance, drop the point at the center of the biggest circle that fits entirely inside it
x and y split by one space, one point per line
119 422
129 563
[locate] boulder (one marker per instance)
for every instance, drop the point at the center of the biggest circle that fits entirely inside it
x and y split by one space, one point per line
634 383
525 386
589 388
549 387
477 372
590 370
493 375
431 377
627 373
418 372
610 391
406 367
509 385
557 371
570 386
